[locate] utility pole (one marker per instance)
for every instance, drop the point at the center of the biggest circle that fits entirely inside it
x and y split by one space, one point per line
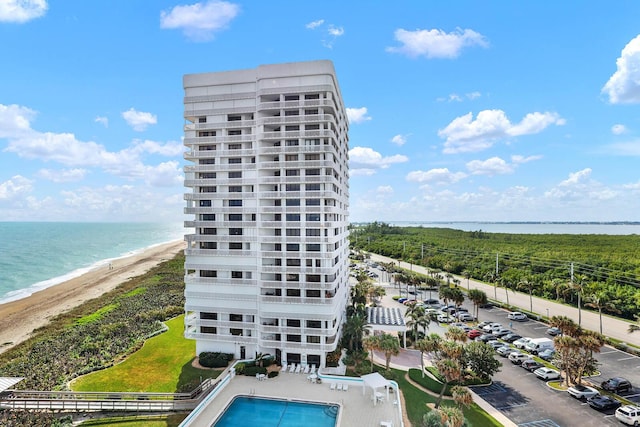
422 251
495 281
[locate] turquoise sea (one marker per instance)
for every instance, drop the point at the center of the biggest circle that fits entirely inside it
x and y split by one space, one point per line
36 255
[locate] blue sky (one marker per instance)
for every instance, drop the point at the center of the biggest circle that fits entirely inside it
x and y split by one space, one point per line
459 111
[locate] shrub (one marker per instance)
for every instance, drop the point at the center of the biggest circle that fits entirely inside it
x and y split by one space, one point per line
214 359
240 367
272 374
251 371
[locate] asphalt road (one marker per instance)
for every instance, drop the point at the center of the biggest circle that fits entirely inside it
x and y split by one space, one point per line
527 400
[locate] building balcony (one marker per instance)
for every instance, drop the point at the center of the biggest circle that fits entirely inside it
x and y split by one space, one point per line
220 252
217 168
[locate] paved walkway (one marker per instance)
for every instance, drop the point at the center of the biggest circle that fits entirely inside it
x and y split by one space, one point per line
611 327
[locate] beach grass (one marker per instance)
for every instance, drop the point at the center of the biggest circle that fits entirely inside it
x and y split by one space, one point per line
162 365
96 315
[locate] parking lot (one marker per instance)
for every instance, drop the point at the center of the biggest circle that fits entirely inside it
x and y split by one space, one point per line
529 401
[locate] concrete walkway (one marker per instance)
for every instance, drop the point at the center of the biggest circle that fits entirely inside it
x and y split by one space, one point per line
611 327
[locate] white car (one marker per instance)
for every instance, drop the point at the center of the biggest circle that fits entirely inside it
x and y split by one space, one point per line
547 373
516 315
580 391
463 316
521 342
492 327
517 358
628 414
445 318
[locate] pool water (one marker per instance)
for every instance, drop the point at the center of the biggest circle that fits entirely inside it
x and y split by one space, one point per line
254 411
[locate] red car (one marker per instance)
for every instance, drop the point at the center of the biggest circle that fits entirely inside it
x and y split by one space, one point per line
474 333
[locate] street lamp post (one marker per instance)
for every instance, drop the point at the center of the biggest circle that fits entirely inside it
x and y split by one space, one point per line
548 314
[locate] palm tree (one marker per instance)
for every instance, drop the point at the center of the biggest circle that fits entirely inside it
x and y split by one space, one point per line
461 396
417 318
566 325
423 346
528 284
457 296
355 326
371 344
492 277
579 286
600 299
456 334
467 276
506 284
451 371
432 345
390 346
478 297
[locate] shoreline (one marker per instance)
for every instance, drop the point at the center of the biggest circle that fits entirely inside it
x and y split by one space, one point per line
22 316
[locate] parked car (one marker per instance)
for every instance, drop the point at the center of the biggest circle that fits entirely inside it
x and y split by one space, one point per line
492 327
465 317
547 354
474 333
603 402
495 344
517 358
516 315
445 318
553 331
481 325
402 300
531 365
629 415
462 326
617 385
510 337
580 391
520 343
432 303
504 350
486 337
547 373
501 332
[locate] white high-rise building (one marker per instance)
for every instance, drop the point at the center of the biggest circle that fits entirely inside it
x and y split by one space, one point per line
266 270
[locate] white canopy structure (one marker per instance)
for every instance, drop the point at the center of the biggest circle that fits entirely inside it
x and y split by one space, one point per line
375 381
387 319
8 382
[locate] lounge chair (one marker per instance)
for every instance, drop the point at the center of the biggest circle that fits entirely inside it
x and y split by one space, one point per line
292 367
345 387
284 367
306 369
339 387
298 368
386 423
313 369
332 386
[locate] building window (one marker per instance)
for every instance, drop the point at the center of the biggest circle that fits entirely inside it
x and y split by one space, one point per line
315 324
234 175
291 143
234 118
312 127
207 189
235 217
293 262
207 175
312 172
313 278
234 132
293 323
313 339
207 162
202 120
293 247
313 217
235 146
208 217
206 147
235 203
208 330
209 231
235 231
235 317
236 274
235 160
312 232
292 187
235 246
292 97
209 316
292 127
291 158
312 156
208 273
293 202
293 277
294 338
293 292
312 202
235 189
205 203
291 113
310 112
296 217
312 96
292 172
313 247
236 332
292 232
208 245
313 293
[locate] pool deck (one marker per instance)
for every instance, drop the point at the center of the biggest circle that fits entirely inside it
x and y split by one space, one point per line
356 409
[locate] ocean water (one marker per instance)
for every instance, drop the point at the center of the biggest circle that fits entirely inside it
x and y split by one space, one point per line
37 255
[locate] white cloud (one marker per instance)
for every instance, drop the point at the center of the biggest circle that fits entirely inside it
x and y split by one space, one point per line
15 120
336 31
364 158
581 190
630 148
357 115
618 129
314 24
20 11
491 167
166 174
64 175
464 134
170 149
139 120
384 190
15 187
454 97
436 43
438 176
103 120
576 178
518 159
399 139
200 21
473 95
623 86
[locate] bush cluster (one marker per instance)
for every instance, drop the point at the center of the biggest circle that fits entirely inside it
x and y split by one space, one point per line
210 359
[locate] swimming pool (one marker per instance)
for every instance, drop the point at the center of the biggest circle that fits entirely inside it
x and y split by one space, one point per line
255 411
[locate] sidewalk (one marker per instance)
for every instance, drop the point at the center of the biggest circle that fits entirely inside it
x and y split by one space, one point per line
611 327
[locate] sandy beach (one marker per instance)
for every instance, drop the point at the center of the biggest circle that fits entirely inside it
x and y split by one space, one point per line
21 317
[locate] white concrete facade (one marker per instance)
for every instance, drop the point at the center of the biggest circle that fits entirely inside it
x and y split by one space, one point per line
266 269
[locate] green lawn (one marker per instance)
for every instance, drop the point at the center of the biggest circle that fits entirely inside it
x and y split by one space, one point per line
162 365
